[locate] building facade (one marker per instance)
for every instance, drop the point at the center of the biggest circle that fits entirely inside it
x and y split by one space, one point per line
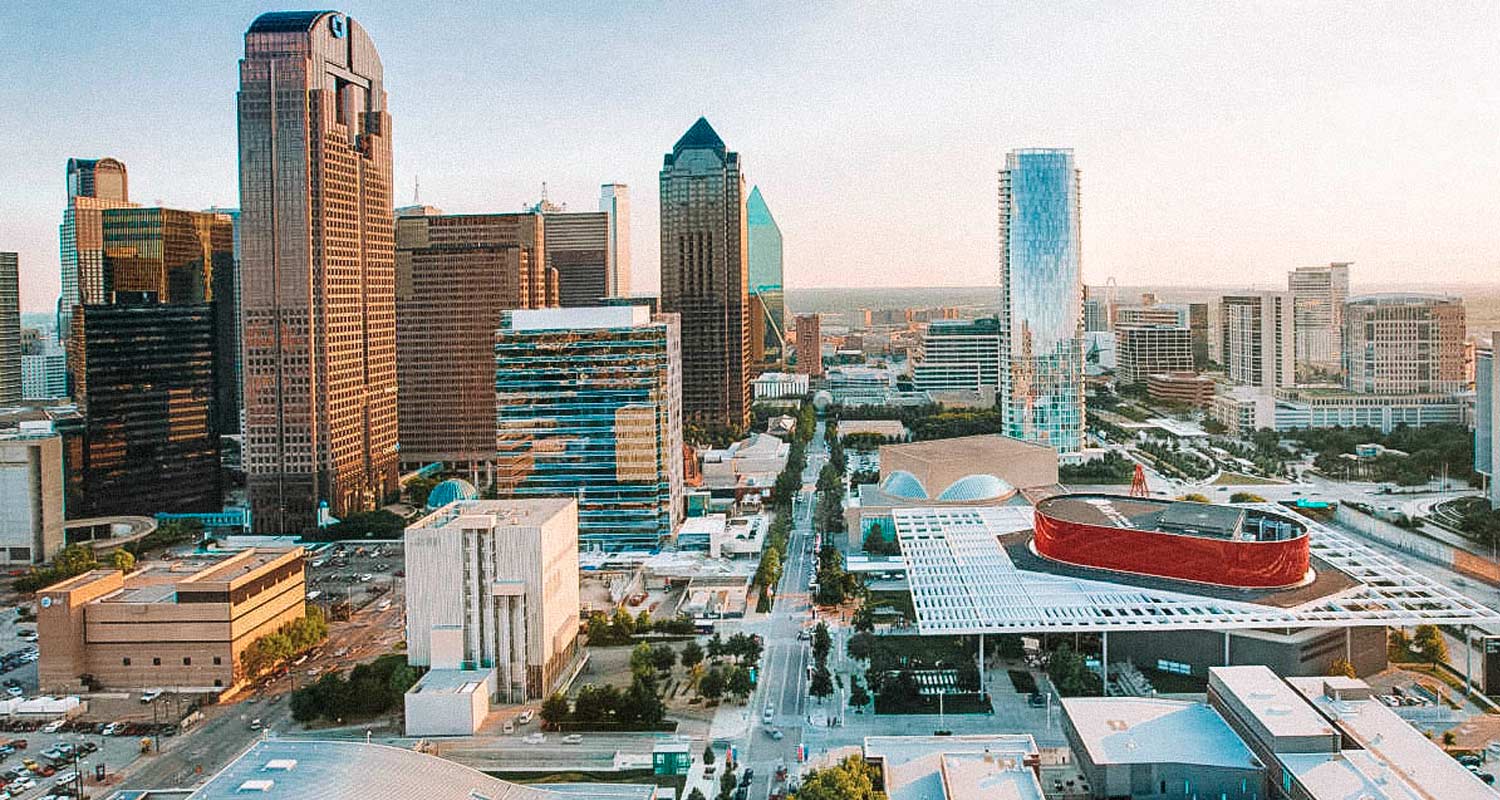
1201 328
1041 299
589 407
578 249
31 494
1258 339
1144 349
44 372
318 267
455 274
809 345
768 331
958 355
614 199
1318 294
1487 415
1181 387
505 574
151 629
10 329
93 186
1399 344
703 274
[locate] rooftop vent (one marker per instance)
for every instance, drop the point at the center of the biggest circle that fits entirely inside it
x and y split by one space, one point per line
281 764
256 786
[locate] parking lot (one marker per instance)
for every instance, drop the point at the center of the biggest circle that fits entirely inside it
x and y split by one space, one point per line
354 576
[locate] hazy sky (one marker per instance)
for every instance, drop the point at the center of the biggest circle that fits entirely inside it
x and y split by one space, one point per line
1220 143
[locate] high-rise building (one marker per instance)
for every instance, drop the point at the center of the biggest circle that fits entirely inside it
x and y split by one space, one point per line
1150 315
1397 344
1258 335
238 379
31 494
1318 294
1143 350
768 333
958 355
501 577
163 255
578 248
145 376
455 274
318 270
93 186
1095 311
1200 327
614 199
1041 299
1487 416
10 328
703 273
589 407
809 345
44 372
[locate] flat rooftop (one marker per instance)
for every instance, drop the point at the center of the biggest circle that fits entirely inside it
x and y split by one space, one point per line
501 513
957 767
236 566
1271 701
451 681
544 319
1143 730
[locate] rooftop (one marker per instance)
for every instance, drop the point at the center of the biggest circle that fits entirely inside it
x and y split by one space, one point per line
1268 699
451 681
992 767
238 566
517 512
1141 730
590 318
701 136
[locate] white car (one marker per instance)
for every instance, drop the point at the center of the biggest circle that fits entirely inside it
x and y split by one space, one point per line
14 691
53 727
526 716
535 738
572 738
150 695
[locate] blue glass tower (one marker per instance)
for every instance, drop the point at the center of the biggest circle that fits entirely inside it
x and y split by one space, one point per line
765 278
1041 299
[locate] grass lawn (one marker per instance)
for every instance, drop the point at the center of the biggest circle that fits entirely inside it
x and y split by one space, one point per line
1241 479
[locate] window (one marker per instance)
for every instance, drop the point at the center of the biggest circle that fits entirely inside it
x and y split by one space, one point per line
218 661
218 682
1174 667
187 661
125 661
156 662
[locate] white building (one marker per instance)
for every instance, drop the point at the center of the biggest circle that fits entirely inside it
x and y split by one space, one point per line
505 573
1318 294
1486 417
44 375
1147 349
31 494
958 355
775 385
449 700
1258 339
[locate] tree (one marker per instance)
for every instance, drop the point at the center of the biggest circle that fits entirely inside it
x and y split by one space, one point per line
622 624
1341 666
662 657
770 568
821 643
598 628
691 655
555 709
727 784
1398 645
1429 644
640 703
708 753
861 645
1068 672
122 560
739 682
853 779
1246 497
858 695
822 683
643 621
864 618
1195 497
696 794
711 687
596 703
715 646
641 660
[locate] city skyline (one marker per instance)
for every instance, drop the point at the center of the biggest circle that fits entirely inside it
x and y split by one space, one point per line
1232 147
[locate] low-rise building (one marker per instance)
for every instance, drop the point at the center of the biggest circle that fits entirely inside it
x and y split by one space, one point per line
975 767
774 385
1181 387
449 700
154 627
1141 747
31 494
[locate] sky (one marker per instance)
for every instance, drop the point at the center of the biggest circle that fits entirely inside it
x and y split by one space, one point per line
1219 143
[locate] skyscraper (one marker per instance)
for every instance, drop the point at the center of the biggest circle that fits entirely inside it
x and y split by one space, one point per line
455 273
93 185
614 199
958 355
10 328
810 345
1396 344
318 283
578 248
1041 299
1258 334
703 276
1318 294
767 334
1148 349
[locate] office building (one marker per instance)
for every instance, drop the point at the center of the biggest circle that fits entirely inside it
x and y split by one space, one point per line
1095 311
504 573
1041 299
147 381
10 328
614 199
1258 336
777 385
1318 407
1487 416
31 494
234 413
1397 344
577 247
589 407
93 186
958 355
1150 315
156 627
1202 331
1188 388
768 331
44 372
455 274
1146 349
1318 295
809 345
163 255
703 274
318 271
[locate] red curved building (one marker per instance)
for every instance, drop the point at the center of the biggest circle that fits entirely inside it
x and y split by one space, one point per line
1244 548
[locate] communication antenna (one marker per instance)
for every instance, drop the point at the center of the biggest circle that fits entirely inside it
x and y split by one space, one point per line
416 191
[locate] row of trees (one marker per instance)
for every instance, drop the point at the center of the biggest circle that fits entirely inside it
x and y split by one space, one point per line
931 421
788 484
822 679
1426 646
622 628
835 585
370 689
1184 462
638 707
1430 449
75 559
286 642
1113 468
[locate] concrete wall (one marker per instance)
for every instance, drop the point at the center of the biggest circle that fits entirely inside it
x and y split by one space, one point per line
445 713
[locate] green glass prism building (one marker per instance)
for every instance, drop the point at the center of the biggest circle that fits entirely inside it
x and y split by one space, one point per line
589 406
1041 300
768 328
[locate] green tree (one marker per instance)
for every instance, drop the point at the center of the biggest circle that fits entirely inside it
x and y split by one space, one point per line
622 625
1341 666
643 621
1429 644
739 682
663 657
727 784
861 645
596 703
641 660
821 643
770 567
864 618
598 629
122 560
858 695
555 709
696 794
640 704
1195 497
708 753
853 779
1072 677
822 683
1246 497
691 656
715 647
1398 645
711 685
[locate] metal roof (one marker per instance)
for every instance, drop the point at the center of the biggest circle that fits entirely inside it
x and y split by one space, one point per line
286 21
963 581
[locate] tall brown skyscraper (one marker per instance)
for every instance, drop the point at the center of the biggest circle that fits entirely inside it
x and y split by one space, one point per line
10 328
703 278
455 273
94 185
318 270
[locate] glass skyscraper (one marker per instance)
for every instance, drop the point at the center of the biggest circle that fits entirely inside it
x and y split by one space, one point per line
589 407
1041 299
768 331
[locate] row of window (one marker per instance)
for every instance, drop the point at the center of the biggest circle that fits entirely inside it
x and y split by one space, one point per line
187 661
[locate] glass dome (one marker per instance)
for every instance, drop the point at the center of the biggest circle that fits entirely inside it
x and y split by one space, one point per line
976 487
449 491
903 484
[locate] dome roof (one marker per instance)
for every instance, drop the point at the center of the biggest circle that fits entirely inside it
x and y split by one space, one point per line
903 484
449 491
976 487
822 399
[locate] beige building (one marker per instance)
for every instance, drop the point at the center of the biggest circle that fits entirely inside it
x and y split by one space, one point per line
31 494
156 628
1396 344
1318 294
505 574
1146 349
1258 339
940 463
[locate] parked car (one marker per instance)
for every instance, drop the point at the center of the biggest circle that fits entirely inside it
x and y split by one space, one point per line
572 738
535 738
526 717
150 695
